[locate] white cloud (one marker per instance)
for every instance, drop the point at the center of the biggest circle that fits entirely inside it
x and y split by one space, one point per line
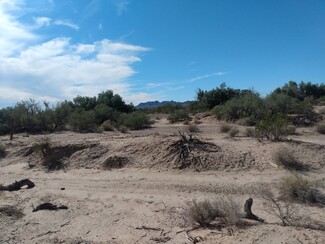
59 69
67 23
42 21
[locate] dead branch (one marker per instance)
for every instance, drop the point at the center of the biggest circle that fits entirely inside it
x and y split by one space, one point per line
185 150
143 227
17 185
49 206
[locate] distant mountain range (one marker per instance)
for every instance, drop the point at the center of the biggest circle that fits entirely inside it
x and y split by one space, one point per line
155 104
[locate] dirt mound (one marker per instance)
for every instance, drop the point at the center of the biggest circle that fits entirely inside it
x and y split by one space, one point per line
174 152
114 162
67 156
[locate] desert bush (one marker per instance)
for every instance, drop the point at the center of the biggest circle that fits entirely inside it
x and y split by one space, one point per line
107 125
224 128
297 188
233 132
42 145
245 122
226 209
203 213
2 150
178 116
321 128
83 121
272 127
249 132
192 127
123 129
136 120
285 157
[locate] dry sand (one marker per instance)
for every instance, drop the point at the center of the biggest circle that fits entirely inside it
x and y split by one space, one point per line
149 194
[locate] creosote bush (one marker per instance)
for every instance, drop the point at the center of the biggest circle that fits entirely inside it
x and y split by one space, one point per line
274 127
321 128
178 116
107 125
297 188
136 120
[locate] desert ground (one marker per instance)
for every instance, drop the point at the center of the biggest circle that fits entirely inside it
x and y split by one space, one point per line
129 188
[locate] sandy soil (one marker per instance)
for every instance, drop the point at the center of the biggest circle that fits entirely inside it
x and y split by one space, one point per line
149 195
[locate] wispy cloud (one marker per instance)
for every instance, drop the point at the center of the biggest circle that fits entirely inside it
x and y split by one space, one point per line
42 21
121 6
59 69
67 23
205 76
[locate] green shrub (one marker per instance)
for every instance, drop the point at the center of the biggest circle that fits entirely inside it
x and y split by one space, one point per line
274 127
321 128
2 150
224 128
233 132
107 126
178 116
296 188
83 121
136 120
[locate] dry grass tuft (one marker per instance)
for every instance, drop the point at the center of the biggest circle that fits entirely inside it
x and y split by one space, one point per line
224 128
233 132
297 188
192 128
123 129
250 132
320 128
285 157
223 209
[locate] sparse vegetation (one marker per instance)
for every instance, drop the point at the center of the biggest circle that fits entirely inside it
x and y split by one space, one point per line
123 129
272 127
321 128
297 188
178 116
284 157
233 132
136 120
225 128
107 125
192 128
225 208
249 132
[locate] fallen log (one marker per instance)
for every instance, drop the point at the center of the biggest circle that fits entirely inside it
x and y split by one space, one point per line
49 206
248 210
17 185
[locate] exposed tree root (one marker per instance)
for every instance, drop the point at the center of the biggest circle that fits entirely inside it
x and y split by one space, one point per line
17 185
186 150
49 206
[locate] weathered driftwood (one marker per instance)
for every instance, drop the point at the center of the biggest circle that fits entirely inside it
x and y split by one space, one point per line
17 185
248 210
49 206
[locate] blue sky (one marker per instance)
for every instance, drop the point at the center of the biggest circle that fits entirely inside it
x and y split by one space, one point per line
156 49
